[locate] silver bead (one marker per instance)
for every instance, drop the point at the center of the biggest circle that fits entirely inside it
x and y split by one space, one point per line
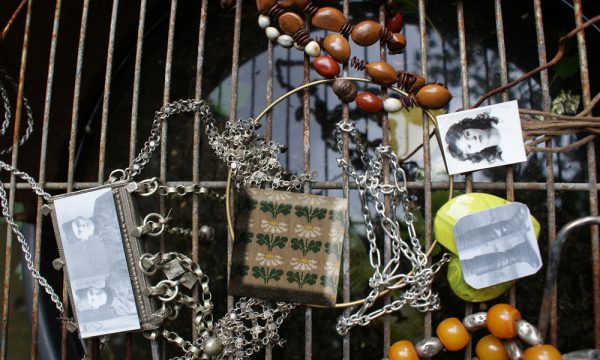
475 321
392 105
263 21
272 33
285 40
528 333
513 349
428 347
312 49
207 233
212 346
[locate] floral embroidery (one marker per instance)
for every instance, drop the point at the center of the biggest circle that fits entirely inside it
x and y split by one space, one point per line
336 234
306 245
273 226
303 264
277 195
275 208
308 230
313 199
271 241
301 278
269 259
266 274
310 213
331 267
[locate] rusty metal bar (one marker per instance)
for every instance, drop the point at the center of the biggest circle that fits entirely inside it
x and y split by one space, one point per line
550 194
107 81
591 162
42 179
427 321
136 81
12 190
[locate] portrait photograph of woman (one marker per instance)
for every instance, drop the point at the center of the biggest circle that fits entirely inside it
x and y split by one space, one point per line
482 138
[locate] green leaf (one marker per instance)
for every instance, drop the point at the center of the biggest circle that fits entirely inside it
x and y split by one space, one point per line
243 270
283 209
334 249
279 242
310 279
248 203
259 272
336 215
314 246
318 213
298 244
302 211
275 274
267 207
293 277
245 237
263 239
328 282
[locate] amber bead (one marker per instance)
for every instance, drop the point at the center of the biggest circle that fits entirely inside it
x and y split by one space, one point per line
366 33
452 334
329 18
382 72
402 350
369 102
345 90
490 348
394 23
542 352
326 66
264 5
290 22
502 320
433 96
397 43
337 46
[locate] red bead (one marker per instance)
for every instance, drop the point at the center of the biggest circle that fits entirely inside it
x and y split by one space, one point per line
369 102
326 66
395 22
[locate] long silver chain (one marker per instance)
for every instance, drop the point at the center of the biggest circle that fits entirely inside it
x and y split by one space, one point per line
8 112
372 188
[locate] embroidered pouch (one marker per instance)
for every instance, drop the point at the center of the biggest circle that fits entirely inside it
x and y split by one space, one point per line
288 246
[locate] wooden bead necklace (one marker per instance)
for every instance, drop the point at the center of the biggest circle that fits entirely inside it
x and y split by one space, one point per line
507 330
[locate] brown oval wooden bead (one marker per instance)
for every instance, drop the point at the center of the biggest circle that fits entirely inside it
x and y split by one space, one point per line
301 3
337 46
264 5
326 66
381 72
369 102
394 23
419 83
345 90
433 96
290 22
286 3
329 18
366 33
397 43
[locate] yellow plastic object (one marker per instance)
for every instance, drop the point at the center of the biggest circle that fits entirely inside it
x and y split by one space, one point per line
464 291
463 205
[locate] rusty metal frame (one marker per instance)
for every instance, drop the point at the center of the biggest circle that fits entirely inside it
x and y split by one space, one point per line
427 186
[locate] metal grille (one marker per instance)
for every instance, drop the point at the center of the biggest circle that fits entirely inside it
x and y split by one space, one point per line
39 47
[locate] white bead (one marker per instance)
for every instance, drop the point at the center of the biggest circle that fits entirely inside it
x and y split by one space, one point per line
392 105
272 33
312 49
286 41
263 21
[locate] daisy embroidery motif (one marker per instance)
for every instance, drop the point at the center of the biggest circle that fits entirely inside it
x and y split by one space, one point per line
332 267
312 199
269 259
336 234
303 264
273 226
274 195
308 231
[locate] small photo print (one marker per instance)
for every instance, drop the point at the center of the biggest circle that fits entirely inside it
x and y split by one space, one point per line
497 245
95 259
482 138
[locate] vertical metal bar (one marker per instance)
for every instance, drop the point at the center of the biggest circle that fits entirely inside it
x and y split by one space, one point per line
42 179
591 162
510 189
197 143
12 190
107 81
550 193
426 149
346 194
235 57
136 81
460 11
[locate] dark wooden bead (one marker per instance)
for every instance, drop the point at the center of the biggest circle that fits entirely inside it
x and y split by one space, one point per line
345 90
337 46
396 44
419 83
290 22
286 3
369 102
394 23
264 5
366 33
326 66
433 96
381 72
329 18
301 3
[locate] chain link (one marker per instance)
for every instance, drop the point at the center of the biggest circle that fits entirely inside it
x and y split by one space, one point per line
8 112
372 189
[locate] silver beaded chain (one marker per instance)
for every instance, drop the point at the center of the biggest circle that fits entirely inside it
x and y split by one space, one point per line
372 189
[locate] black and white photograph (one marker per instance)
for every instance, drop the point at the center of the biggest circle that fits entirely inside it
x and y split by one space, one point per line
497 245
95 259
482 138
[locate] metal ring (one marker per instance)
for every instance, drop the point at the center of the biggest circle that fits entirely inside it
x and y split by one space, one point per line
160 220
